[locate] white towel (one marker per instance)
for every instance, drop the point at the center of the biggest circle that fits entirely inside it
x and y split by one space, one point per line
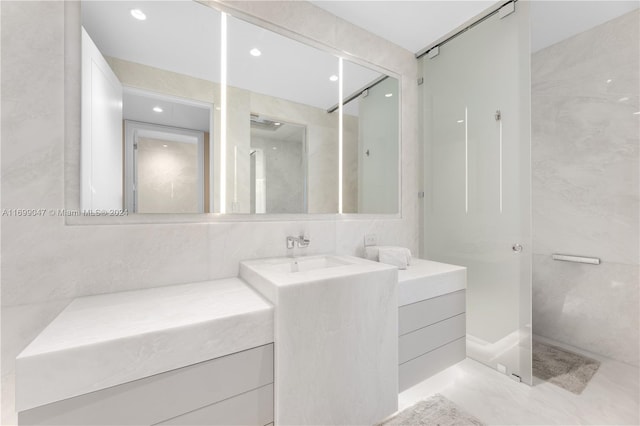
403 255
393 256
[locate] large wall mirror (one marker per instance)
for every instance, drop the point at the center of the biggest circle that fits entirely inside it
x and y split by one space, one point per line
186 109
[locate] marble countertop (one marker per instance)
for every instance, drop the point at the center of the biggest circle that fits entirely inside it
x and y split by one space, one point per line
426 279
106 340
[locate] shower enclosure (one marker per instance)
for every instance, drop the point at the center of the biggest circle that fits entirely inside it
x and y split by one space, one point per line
477 210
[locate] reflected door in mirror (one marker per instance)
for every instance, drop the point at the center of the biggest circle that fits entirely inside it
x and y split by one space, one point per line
168 168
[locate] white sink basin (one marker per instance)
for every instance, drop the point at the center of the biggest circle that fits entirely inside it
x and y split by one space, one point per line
268 276
304 264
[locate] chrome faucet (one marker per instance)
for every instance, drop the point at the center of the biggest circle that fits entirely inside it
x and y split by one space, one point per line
303 241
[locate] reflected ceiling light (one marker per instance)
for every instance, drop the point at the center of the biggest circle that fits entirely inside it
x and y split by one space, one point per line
164 145
609 81
274 147
623 99
138 14
255 52
157 109
277 124
636 113
460 121
333 78
388 95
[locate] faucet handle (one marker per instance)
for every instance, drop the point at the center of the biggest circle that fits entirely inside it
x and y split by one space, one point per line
304 240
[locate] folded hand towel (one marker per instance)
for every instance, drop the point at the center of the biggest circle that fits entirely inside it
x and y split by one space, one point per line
402 254
393 256
373 252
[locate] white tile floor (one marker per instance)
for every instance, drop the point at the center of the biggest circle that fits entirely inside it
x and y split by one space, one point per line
611 397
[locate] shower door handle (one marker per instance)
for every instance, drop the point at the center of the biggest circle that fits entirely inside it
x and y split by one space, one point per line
517 248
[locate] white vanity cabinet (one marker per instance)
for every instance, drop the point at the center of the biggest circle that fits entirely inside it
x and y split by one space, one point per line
190 354
230 390
431 320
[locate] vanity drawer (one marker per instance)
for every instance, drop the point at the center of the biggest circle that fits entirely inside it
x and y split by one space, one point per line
426 339
421 314
251 408
420 368
162 396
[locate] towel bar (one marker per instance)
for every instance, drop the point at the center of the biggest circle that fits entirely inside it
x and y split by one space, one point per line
577 259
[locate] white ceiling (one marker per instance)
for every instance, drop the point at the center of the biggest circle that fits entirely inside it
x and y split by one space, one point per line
139 106
410 24
415 25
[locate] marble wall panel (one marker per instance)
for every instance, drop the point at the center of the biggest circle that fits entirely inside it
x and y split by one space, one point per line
585 188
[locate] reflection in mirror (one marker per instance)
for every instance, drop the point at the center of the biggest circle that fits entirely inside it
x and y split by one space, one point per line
281 80
171 174
191 77
152 69
278 166
167 168
371 145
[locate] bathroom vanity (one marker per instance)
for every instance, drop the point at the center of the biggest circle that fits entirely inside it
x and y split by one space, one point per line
431 319
197 353
311 340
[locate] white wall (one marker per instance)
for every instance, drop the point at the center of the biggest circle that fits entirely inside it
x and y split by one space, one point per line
46 263
167 176
585 189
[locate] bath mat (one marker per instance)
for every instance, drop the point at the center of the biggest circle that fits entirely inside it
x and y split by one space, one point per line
566 369
436 410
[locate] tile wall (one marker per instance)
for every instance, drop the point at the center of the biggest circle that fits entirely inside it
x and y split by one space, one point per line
585 188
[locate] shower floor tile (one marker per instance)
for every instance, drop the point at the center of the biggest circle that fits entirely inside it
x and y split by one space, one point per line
612 397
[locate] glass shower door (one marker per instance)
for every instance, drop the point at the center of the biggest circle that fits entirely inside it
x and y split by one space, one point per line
477 182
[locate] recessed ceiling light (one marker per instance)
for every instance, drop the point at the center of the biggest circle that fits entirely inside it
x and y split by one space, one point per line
165 145
255 52
274 147
157 109
333 78
277 124
623 99
636 113
609 81
138 14
460 121
388 95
